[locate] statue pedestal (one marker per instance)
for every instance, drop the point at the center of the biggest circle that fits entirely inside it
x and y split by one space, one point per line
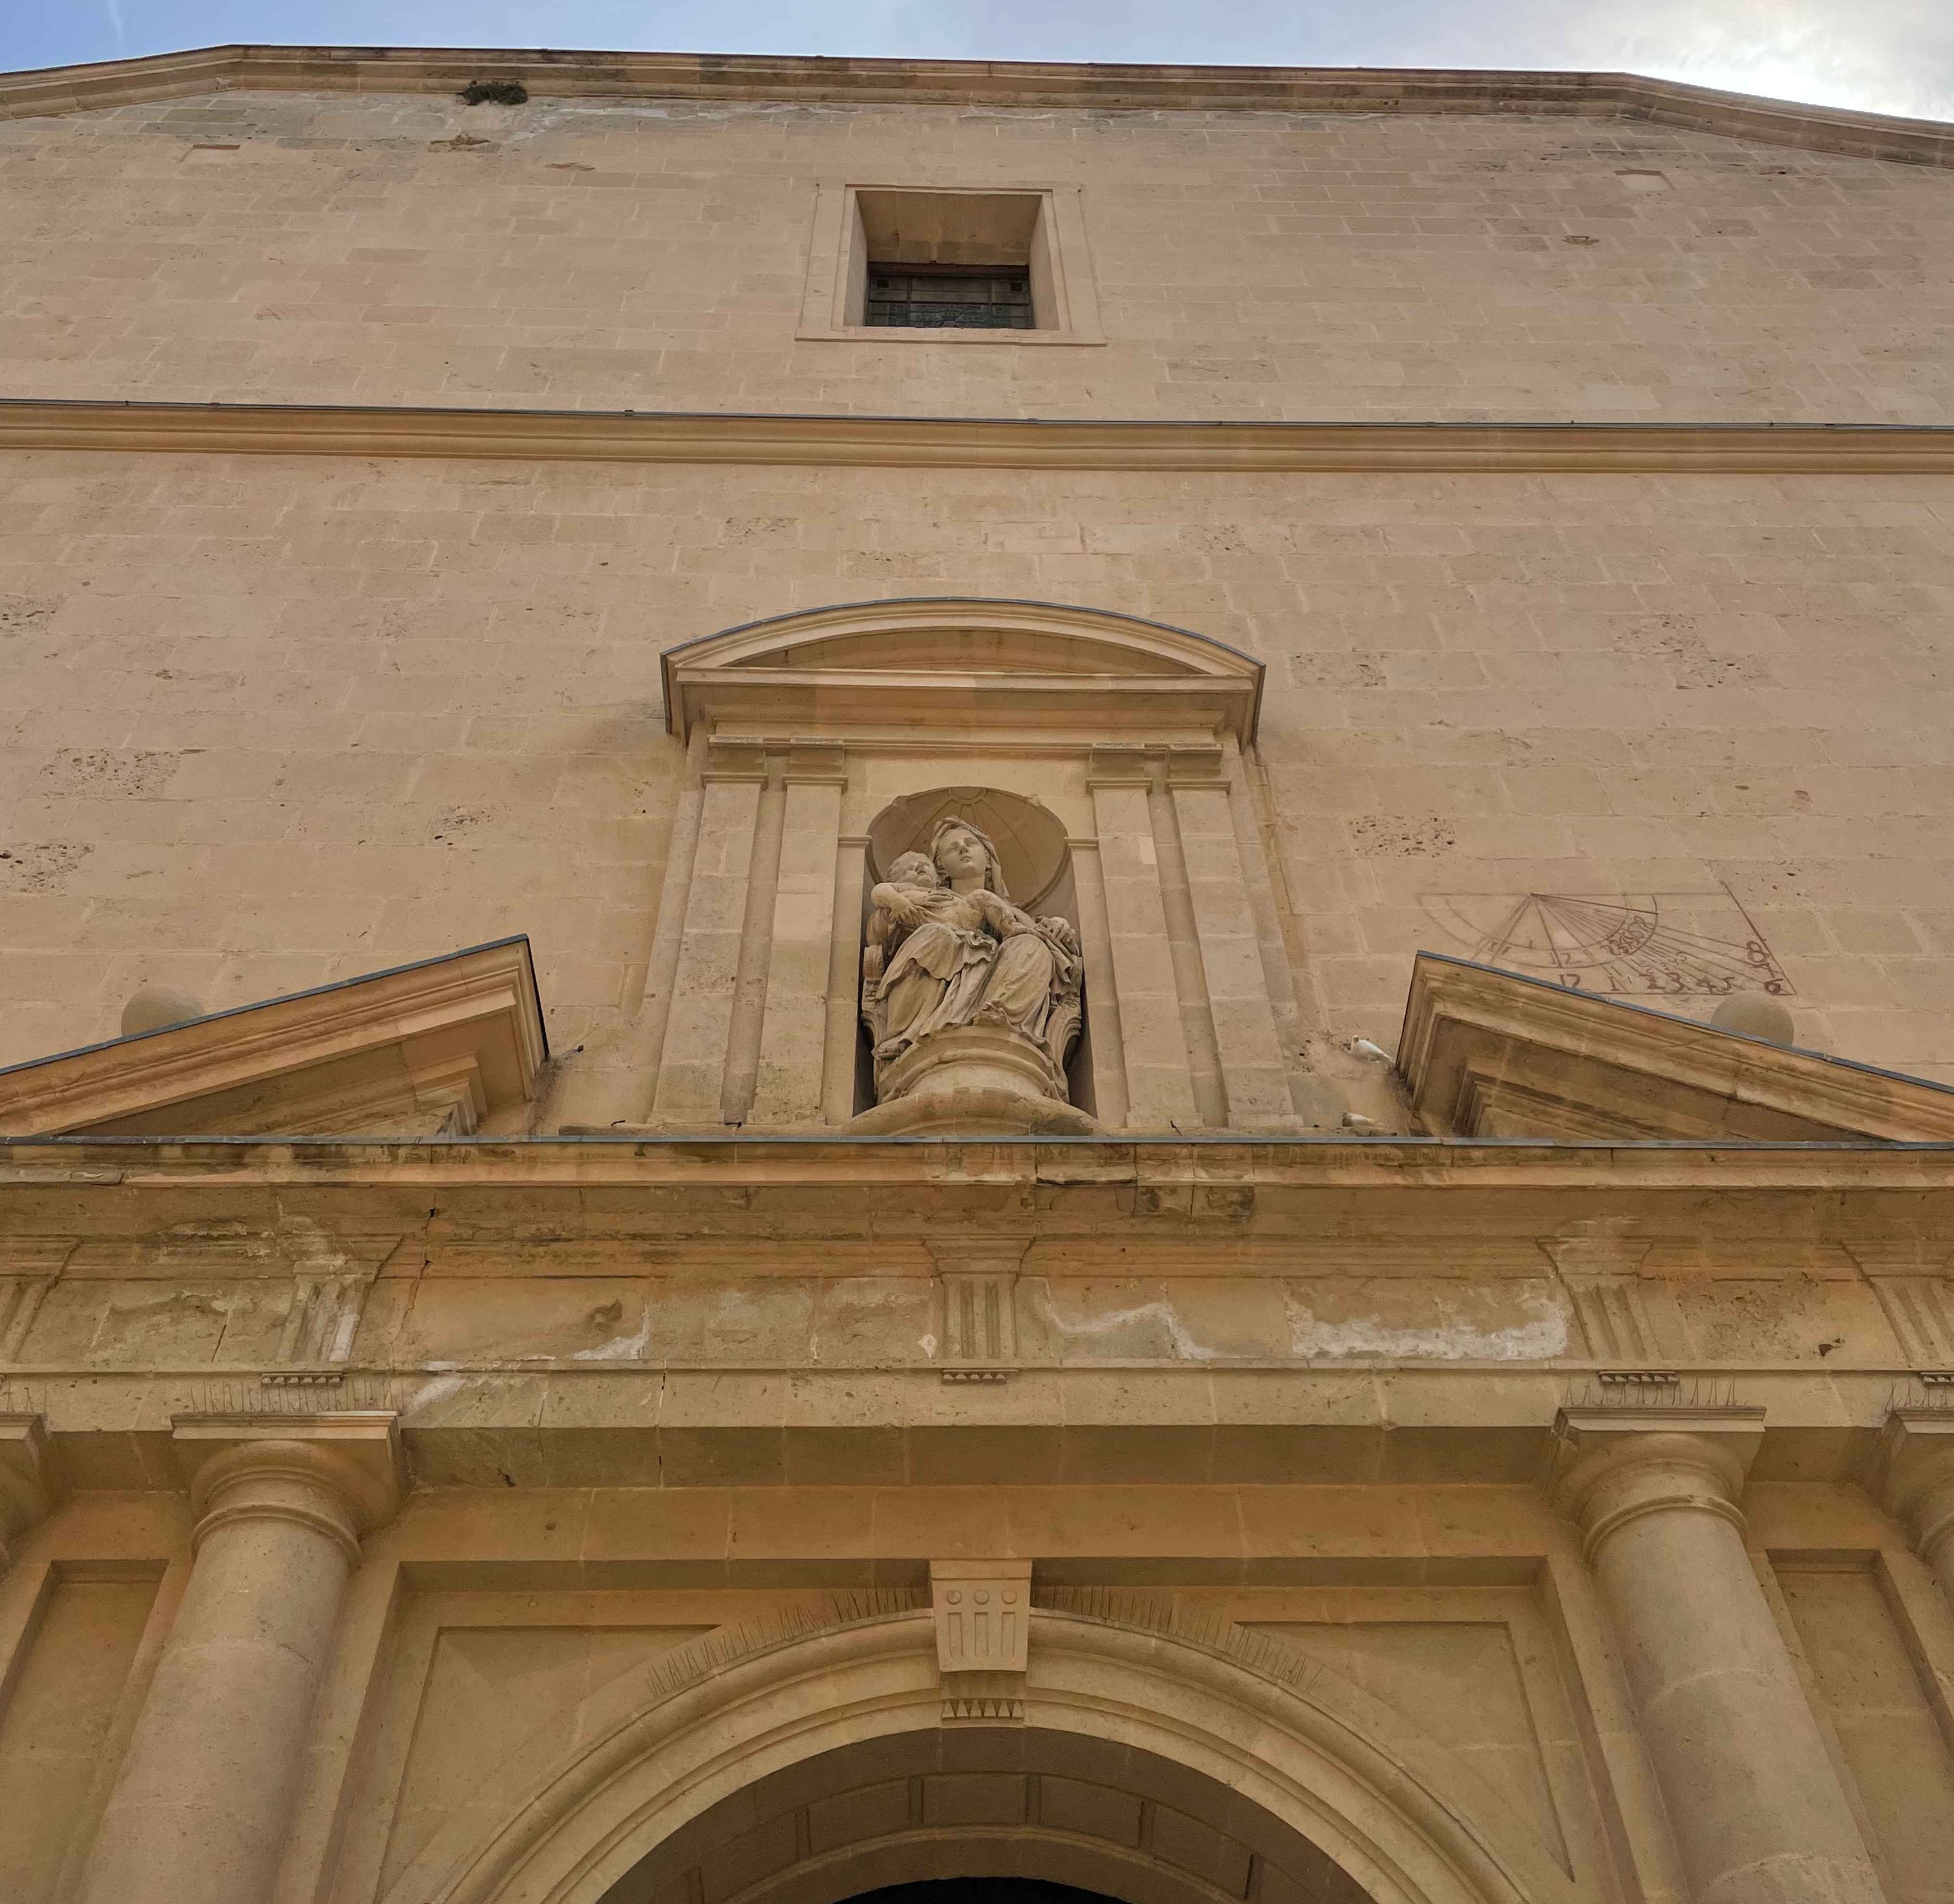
972 1081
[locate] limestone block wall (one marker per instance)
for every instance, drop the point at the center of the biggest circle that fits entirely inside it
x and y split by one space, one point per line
575 253
273 721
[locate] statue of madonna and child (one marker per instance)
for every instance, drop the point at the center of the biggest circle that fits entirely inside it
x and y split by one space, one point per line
948 950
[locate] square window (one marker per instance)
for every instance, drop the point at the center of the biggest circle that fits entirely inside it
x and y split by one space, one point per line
947 297
964 265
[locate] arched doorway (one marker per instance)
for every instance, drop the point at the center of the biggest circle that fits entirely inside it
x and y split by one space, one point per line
813 1763
986 1802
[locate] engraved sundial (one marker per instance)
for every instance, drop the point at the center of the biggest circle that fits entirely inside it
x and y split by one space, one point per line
1629 944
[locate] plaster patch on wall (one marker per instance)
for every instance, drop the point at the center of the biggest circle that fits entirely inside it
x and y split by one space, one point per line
621 1348
1451 1335
1110 1322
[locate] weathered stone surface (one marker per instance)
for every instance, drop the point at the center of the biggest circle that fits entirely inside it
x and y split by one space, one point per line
506 1428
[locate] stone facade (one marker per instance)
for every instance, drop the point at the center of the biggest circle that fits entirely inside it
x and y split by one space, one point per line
1432 1390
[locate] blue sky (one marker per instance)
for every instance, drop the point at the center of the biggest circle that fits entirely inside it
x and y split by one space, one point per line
1884 55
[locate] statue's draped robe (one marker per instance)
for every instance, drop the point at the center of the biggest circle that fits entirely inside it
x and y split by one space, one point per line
954 969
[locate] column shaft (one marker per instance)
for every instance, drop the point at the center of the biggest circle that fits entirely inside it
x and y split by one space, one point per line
200 1813
1752 1794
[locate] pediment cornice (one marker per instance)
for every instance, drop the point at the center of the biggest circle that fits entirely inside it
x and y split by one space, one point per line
444 1043
958 664
1492 1053
1098 87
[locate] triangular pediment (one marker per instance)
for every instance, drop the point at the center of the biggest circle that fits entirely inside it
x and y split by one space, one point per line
435 1048
1487 1053
875 656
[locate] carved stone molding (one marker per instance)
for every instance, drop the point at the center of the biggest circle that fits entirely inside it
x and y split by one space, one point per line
976 443
1915 1285
1913 1480
342 1473
32 1267
978 1277
1601 1276
1615 1465
27 1487
982 1614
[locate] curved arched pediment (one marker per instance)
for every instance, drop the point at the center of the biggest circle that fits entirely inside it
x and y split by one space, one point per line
1039 656
1326 1785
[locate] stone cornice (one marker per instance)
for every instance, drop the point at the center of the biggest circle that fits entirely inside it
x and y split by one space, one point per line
233 1166
462 1032
1609 1067
681 437
867 81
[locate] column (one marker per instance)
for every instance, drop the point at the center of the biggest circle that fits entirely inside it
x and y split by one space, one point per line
200 1811
1914 1481
1752 1793
27 1485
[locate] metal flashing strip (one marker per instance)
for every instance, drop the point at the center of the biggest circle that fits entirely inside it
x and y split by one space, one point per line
977 442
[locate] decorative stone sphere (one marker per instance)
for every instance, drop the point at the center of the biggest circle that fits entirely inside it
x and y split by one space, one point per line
1756 1014
156 1006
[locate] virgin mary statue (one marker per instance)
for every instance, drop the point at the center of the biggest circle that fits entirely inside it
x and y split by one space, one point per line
946 947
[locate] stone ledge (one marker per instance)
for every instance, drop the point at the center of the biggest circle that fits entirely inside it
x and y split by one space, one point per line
692 1431
976 442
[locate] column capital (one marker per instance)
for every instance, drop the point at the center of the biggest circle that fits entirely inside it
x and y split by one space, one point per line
1913 1476
28 1489
340 1473
1612 1466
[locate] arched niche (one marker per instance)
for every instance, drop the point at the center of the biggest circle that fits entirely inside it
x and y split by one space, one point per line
1030 838
812 737
1036 856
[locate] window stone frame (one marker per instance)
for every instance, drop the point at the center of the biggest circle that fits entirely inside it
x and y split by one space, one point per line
1063 282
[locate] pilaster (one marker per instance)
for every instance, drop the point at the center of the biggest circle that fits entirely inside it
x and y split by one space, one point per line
1913 1480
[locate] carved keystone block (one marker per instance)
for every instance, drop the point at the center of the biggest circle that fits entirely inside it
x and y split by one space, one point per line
983 1633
